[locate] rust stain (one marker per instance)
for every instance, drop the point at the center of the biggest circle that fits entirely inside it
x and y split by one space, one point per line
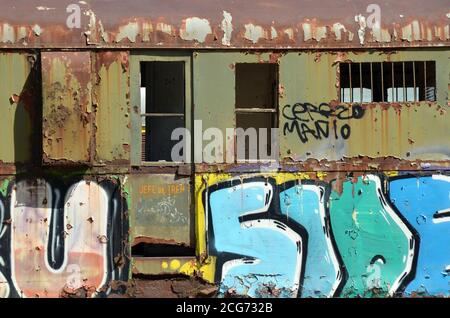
67 119
347 164
194 24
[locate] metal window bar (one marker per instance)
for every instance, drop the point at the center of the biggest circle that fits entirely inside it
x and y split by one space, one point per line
428 94
405 97
350 77
371 82
360 83
425 80
394 91
414 79
382 81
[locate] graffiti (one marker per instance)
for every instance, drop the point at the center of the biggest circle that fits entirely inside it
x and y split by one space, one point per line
247 234
425 203
367 229
278 235
320 122
4 286
305 203
163 211
378 237
169 189
62 237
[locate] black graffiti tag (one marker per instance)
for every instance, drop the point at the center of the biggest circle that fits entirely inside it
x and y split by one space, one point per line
309 120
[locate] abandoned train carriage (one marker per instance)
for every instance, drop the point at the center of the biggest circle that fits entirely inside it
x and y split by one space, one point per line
356 201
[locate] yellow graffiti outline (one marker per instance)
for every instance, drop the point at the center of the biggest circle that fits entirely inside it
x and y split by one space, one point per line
207 265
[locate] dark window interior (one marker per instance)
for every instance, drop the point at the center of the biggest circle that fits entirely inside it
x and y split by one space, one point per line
256 85
256 102
388 82
162 107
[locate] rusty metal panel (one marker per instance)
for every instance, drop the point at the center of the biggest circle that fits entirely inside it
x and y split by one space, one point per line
221 24
67 107
18 102
381 131
214 89
112 108
413 131
407 130
161 209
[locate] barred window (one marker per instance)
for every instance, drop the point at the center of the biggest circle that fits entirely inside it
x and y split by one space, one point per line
387 82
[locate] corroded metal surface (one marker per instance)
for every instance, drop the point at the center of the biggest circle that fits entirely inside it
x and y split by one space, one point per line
224 24
363 193
67 107
160 205
385 136
111 94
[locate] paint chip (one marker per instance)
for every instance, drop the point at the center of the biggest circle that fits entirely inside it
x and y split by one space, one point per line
227 28
37 30
102 239
361 20
338 28
42 8
14 99
129 31
195 29
253 32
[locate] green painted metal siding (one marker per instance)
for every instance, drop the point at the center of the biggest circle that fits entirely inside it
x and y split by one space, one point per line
16 122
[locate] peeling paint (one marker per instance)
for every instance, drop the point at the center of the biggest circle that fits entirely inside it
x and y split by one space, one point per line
307 33
7 33
165 28
195 29
147 30
130 32
139 26
227 28
338 28
37 30
361 20
350 36
273 33
290 33
96 29
254 33
412 32
380 34
312 31
42 8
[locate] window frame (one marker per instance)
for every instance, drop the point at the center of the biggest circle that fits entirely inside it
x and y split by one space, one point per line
402 62
274 111
136 118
